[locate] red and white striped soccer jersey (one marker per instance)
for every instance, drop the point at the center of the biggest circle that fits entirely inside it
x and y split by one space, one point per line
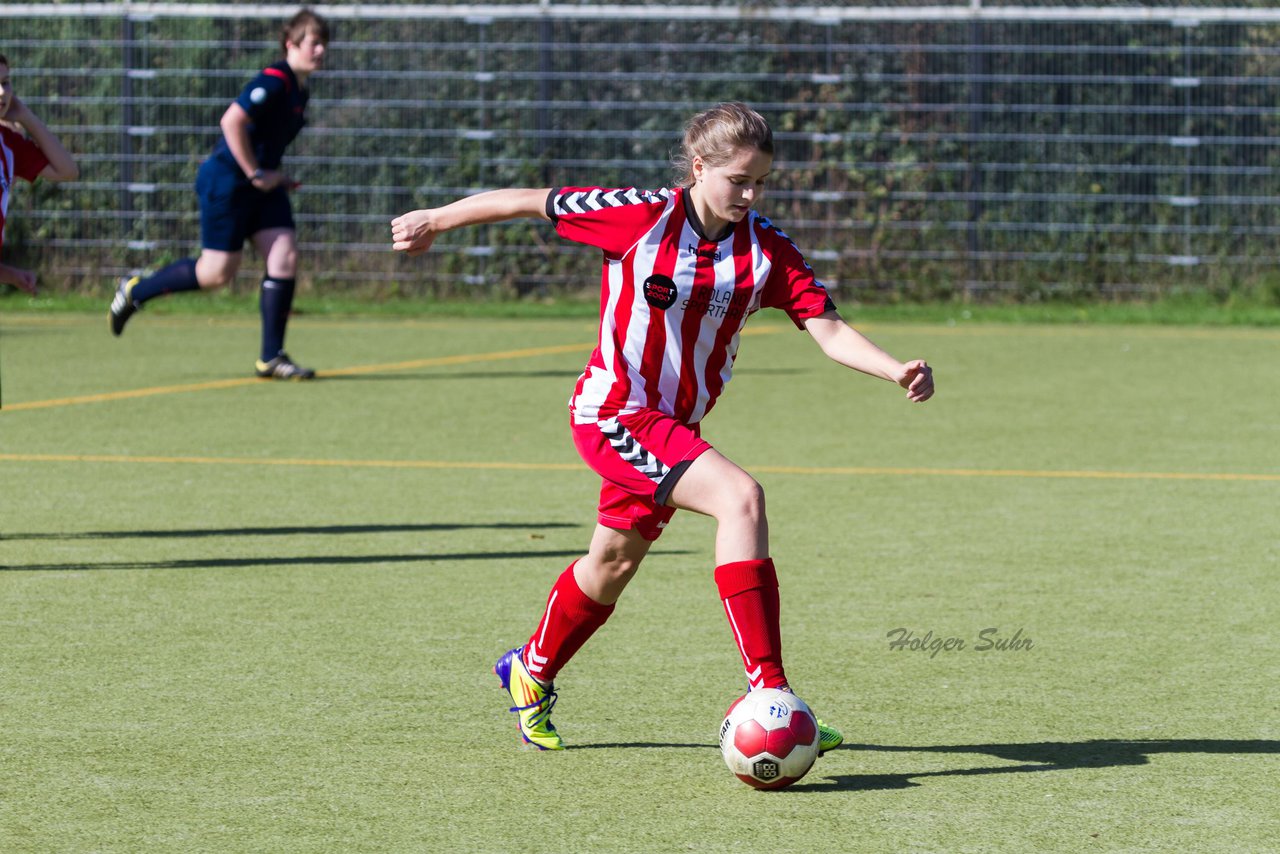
19 158
674 302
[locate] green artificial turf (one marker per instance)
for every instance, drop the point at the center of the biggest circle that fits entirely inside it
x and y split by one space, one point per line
254 616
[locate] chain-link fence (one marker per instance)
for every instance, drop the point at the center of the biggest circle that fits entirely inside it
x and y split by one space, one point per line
922 151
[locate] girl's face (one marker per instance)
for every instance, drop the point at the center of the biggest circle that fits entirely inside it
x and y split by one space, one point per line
307 55
725 194
6 90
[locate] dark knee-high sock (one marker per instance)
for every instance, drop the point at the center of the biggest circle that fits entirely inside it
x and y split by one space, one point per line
178 276
275 298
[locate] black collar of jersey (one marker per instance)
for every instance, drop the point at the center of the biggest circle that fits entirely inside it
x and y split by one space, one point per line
696 224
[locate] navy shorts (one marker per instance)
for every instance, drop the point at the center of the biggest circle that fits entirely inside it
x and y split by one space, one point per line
232 209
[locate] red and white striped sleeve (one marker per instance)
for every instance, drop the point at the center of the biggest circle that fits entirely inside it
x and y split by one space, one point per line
610 220
792 285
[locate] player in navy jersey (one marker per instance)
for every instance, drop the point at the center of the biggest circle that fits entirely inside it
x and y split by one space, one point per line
244 194
28 150
683 270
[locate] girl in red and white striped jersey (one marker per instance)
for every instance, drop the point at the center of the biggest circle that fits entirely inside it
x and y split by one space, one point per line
28 150
683 270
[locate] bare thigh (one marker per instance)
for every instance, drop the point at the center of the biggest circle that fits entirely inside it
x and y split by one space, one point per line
716 486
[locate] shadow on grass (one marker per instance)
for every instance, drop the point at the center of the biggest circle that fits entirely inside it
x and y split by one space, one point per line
304 560
1036 757
283 531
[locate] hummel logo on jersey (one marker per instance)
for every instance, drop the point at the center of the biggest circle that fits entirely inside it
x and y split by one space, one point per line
660 291
713 254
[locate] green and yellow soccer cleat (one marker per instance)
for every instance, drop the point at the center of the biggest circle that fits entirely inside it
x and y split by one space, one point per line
829 738
533 701
282 368
122 305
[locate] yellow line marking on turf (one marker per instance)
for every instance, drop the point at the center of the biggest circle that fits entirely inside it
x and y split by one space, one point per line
517 466
1027 473
125 395
254 461
339 372
458 360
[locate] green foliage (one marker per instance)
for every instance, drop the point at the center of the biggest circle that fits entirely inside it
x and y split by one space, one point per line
918 160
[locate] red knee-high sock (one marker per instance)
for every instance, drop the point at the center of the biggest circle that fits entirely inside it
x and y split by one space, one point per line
749 590
570 618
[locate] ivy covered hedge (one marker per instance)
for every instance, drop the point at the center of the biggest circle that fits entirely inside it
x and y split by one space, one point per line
917 159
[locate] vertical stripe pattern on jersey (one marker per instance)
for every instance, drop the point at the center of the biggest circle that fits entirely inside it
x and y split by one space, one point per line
621 292
722 353
692 345
674 303
653 361
636 359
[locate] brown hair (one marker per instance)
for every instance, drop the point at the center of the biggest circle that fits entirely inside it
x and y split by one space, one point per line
716 134
295 29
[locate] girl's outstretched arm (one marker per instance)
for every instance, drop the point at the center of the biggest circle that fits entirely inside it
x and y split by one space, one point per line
62 166
19 278
846 345
415 231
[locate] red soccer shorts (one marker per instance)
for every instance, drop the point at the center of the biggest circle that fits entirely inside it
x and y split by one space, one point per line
640 456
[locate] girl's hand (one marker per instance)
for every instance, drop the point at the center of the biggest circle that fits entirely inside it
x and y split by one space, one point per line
22 279
917 378
13 116
414 232
270 179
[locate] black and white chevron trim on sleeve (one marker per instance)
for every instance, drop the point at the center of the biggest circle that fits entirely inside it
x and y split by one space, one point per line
578 201
633 452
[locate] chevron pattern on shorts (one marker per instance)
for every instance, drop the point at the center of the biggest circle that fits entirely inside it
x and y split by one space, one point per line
632 451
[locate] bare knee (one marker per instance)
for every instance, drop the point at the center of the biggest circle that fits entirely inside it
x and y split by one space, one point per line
615 566
217 280
604 572
284 263
215 273
743 498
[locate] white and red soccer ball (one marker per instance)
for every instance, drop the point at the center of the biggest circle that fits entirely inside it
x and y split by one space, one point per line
769 738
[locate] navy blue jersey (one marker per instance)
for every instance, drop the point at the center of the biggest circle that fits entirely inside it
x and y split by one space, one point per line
275 103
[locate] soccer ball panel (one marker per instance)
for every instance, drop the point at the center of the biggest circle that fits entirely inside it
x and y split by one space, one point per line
750 739
781 741
805 729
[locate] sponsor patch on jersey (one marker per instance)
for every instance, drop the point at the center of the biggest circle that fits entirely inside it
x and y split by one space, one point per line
258 95
659 291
